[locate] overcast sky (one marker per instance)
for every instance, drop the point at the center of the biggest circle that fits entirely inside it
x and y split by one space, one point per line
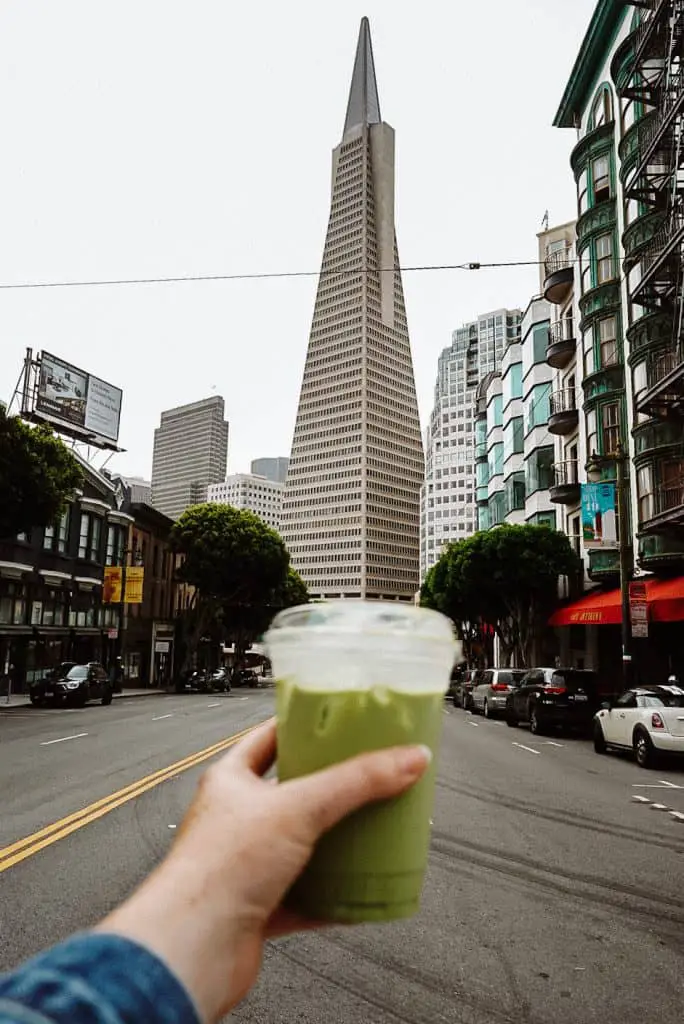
155 138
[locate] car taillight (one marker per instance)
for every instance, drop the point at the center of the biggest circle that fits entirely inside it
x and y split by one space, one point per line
656 721
499 686
555 689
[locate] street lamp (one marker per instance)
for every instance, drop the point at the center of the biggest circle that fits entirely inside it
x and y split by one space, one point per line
620 459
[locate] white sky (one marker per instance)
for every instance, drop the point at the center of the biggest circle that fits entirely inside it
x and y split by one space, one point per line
152 138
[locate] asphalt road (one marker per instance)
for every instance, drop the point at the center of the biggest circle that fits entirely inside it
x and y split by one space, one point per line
551 896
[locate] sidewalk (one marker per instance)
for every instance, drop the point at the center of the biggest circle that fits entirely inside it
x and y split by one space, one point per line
21 700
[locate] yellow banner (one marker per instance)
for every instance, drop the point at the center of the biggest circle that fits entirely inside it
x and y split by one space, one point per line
111 588
134 585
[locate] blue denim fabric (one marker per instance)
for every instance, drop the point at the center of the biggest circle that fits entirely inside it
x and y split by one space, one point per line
94 979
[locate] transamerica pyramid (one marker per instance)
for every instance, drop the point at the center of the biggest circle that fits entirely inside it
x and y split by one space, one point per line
351 505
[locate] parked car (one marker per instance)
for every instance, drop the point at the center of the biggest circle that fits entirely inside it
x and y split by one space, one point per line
246 677
463 690
491 688
220 680
39 686
564 698
76 686
646 720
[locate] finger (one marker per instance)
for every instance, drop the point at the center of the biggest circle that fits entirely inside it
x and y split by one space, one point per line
332 794
257 750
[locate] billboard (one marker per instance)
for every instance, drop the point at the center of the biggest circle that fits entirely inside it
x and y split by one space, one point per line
76 401
599 518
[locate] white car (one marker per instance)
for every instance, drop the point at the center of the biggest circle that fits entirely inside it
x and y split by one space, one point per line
646 720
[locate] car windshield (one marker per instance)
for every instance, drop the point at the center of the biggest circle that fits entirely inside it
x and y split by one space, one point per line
78 672
510 677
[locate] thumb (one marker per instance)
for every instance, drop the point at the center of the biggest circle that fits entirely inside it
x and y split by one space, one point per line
330 795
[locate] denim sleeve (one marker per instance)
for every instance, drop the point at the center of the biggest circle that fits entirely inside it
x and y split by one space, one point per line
95 979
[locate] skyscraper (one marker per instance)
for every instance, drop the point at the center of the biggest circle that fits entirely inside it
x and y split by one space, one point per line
351 505
190 452
272 469
448 501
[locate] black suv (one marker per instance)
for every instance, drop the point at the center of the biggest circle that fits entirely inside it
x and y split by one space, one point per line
566 698
76 686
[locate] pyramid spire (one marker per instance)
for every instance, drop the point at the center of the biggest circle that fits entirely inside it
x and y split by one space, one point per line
363 106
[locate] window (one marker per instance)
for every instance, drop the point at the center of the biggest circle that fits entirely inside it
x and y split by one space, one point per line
610 427
540 343
608 341
672 483
512 384
600 173
496 508
539 470
495 412
63 532
496 460
48 538
538 406
602 110
89 536
583 192
592 432
645 493
515 492
605 270
588 349
585 270
513 437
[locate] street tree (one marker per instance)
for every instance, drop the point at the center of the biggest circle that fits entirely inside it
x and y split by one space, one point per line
237 565
507 579
38 476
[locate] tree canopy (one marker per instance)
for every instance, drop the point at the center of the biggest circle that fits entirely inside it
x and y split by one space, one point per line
38 476
506 578
240 569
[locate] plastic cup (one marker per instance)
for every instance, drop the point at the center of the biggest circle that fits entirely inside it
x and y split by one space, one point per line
354 676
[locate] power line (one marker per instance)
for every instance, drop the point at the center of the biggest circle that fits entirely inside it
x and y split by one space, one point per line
267 276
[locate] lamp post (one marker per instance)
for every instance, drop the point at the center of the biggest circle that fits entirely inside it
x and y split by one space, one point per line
620 459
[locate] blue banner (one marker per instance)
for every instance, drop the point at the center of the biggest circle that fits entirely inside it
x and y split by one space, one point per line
599 516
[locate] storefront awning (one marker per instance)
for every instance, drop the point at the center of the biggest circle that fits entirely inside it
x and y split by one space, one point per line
665 601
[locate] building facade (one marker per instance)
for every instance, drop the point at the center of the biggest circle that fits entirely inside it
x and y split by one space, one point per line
190 452
514 450
351 505
51 584
272 469
448 495
258 494
616 344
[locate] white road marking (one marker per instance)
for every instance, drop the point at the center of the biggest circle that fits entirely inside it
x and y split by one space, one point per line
171 826
522 746
670 785
243 698
651 785
677 815
640 799
550 743
659 807
63 739
159 717
217 705
476 724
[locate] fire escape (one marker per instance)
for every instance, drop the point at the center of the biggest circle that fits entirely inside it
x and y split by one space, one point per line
655 274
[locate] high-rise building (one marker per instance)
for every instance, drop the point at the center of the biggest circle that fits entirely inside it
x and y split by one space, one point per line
272 469
248 491
448 498
190 452
351 506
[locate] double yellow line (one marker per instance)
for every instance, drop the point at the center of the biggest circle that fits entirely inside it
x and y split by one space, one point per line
23 848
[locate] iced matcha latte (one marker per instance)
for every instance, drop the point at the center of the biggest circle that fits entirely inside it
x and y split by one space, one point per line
356 676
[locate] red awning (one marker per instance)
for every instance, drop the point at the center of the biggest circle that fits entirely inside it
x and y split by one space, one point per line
665 599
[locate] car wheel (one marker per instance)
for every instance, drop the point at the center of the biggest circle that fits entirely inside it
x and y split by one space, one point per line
599 740
107 698
485 710
37 702
644 752
511 720
537 725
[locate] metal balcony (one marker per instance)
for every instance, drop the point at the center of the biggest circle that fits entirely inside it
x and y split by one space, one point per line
565 489
559 270
663 397
563 413
652 137
562 343
667 510
660 263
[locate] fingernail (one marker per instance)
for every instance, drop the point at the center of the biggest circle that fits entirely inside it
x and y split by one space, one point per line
416 759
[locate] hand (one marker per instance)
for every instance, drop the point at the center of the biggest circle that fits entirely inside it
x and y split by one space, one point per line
214 901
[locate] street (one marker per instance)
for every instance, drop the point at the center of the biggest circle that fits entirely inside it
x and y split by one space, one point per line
552 894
